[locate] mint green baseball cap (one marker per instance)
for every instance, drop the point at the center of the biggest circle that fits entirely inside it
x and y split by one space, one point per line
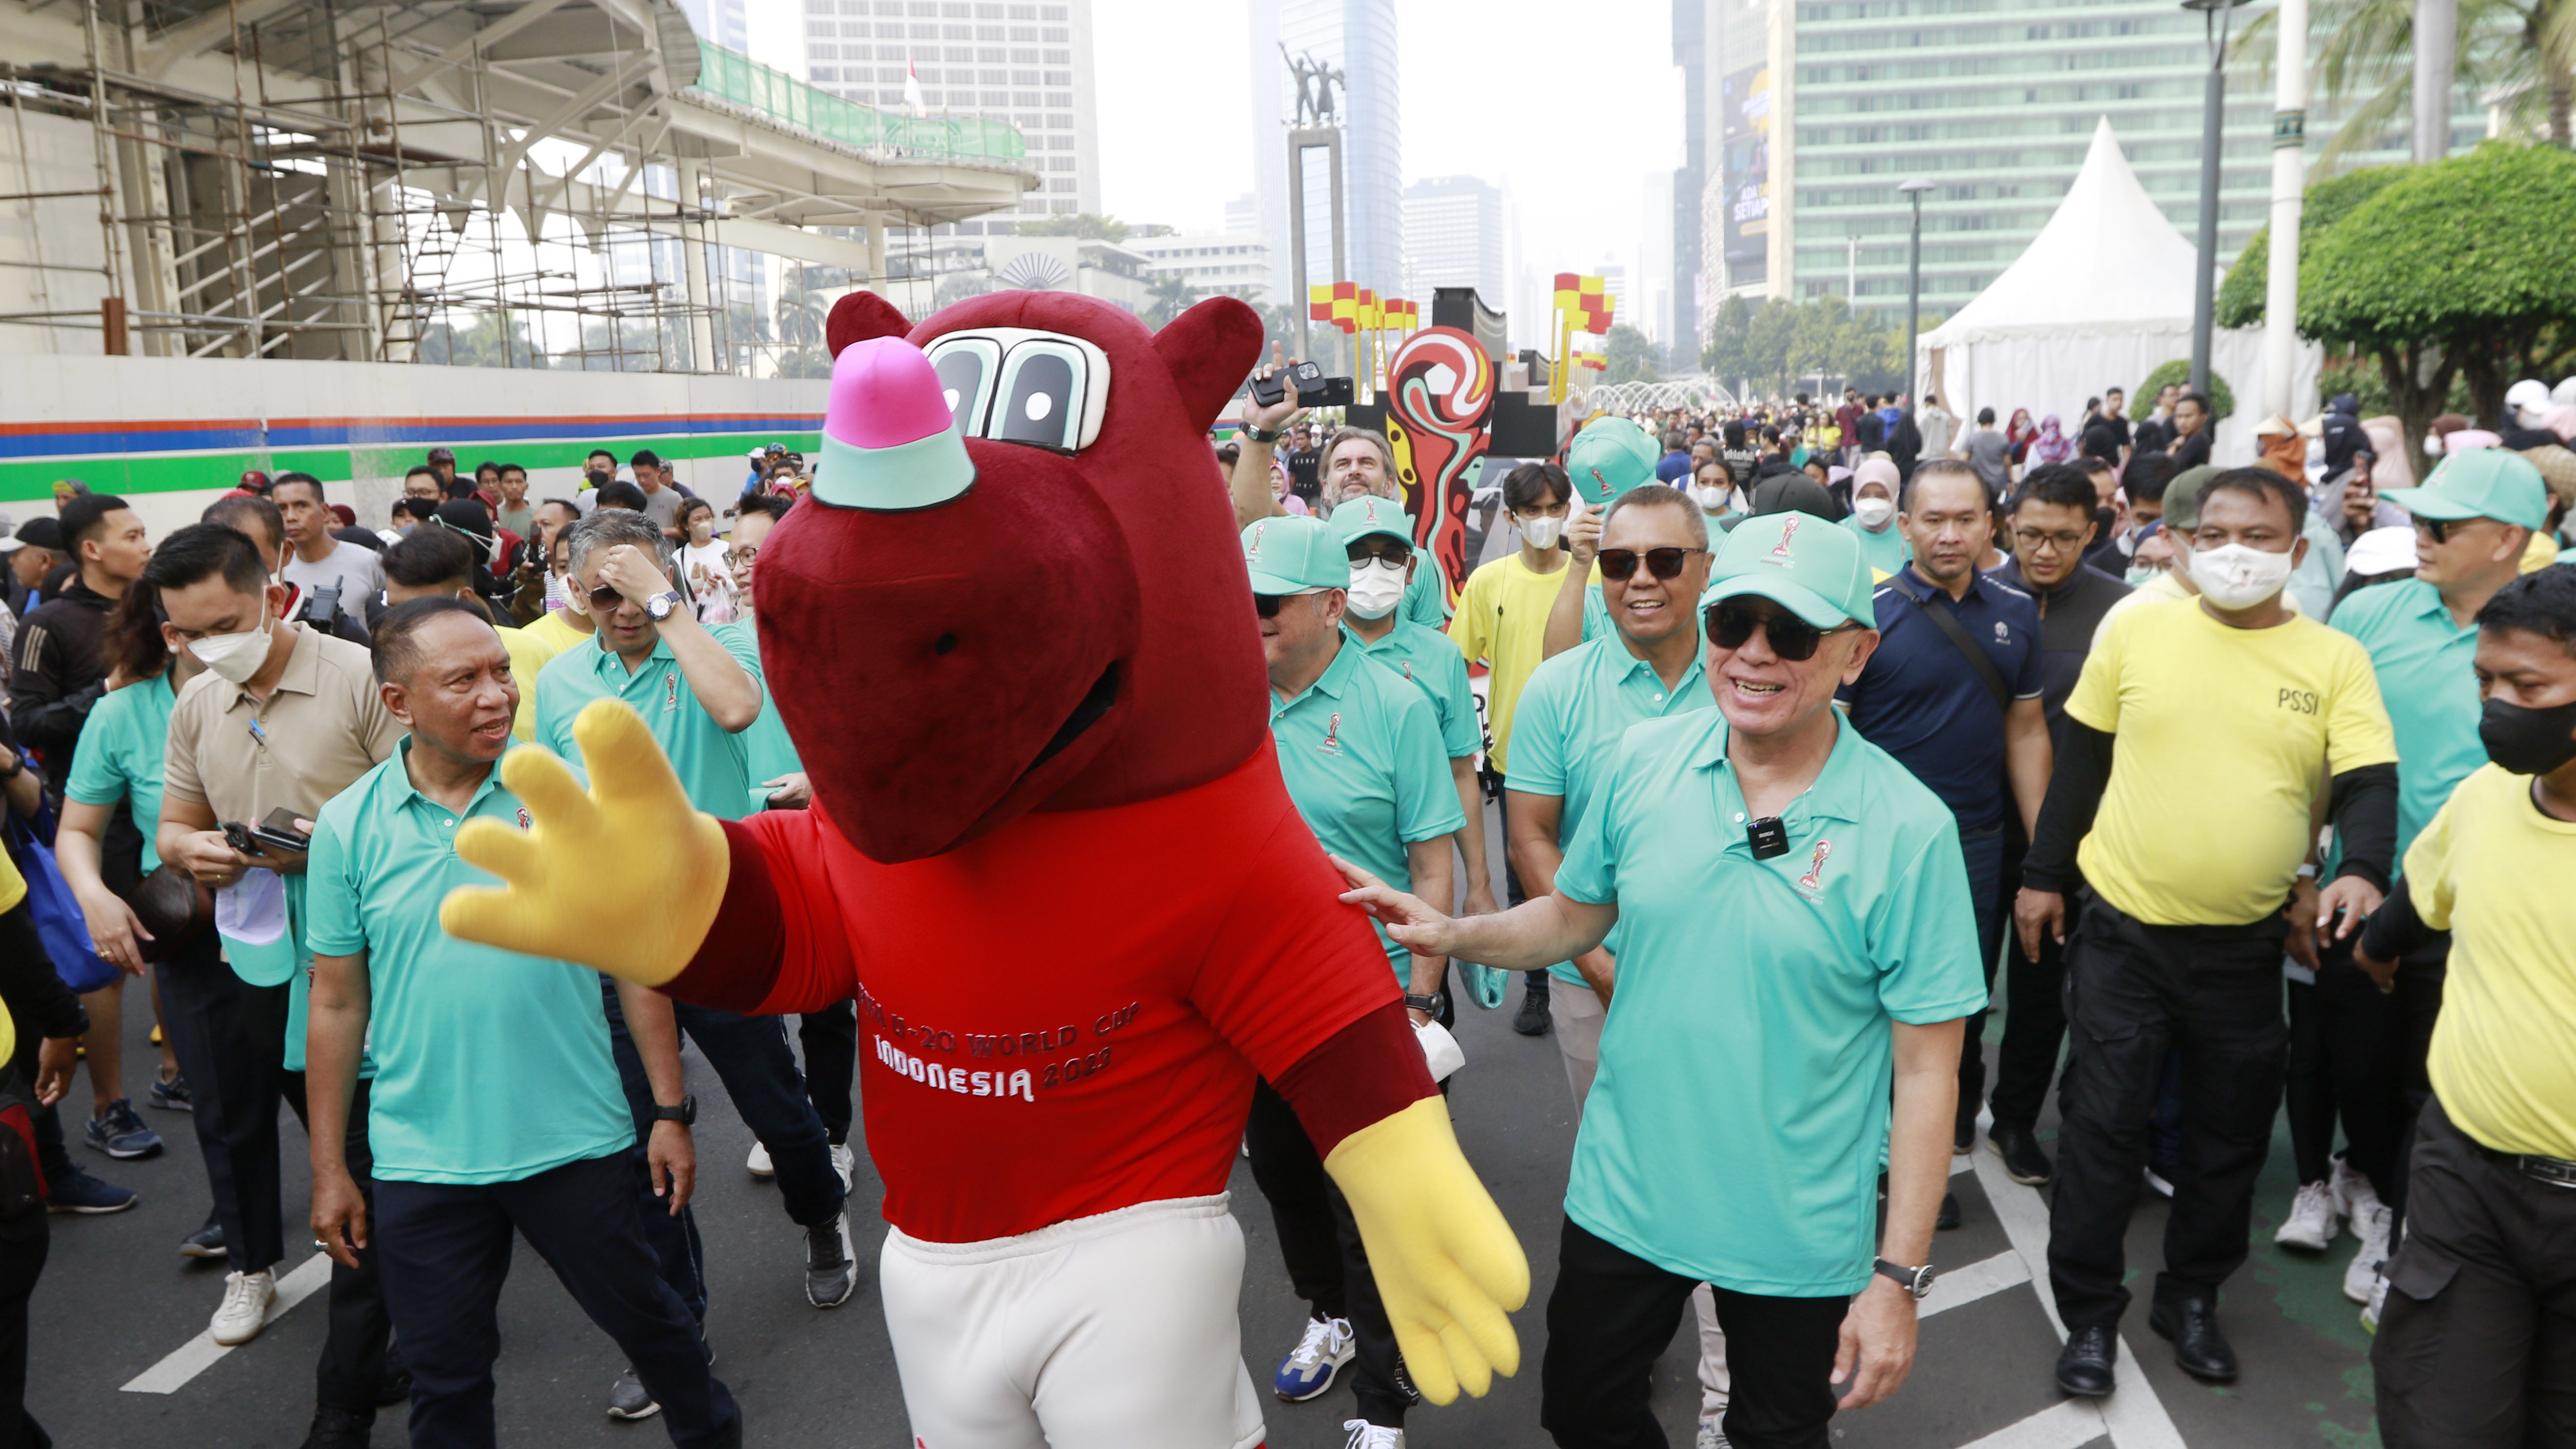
1609 457
1798 561
1295 556
1361 517
2480 483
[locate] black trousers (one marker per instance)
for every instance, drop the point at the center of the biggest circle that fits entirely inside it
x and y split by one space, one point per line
201 1009
446 1249
830 1038
1613 1313
353 1351
1984 851
24 1242
2357 1053
2034 1011
2131 990
1321 1243
2477 1344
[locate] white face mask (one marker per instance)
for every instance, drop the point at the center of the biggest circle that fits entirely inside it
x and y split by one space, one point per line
235 656
2238 577
1710 497
1376 588
1873 513
1541 532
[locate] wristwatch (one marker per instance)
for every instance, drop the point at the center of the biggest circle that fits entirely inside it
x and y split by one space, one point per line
686 1114
1917 1281
1258 436
1432 1003
660 605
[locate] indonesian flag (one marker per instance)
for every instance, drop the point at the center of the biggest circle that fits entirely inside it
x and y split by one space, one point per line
912 87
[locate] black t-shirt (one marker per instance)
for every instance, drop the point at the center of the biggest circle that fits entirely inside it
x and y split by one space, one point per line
2191 452
1301 473
2104 437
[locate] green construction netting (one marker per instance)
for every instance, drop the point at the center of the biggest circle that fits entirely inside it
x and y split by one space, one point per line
746 82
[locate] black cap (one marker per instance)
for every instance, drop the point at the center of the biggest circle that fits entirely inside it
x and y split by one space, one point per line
42 533
442 455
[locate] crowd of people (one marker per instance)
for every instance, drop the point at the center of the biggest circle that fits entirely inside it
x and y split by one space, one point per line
239 753
1851 718
1822 730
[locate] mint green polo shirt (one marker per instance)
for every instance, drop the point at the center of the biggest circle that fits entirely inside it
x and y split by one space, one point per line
119 756
714 765
1735 1130
1567 728
767 752
1426 598
1361 756
2423 663
1426 657
490 1066
1885 550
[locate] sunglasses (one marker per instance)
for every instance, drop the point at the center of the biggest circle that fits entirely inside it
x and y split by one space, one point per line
1792 638
606 597
1381 550
2436 529
1267 605
1664 563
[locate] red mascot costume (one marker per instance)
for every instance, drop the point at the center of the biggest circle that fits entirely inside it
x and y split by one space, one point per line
1049 853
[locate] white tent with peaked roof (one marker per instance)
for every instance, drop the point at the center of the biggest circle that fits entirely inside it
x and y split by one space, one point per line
2100 298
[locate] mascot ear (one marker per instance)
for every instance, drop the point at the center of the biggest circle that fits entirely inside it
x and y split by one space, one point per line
1210 349
860 316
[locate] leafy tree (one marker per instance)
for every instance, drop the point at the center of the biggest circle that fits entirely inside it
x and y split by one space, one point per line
1631 357
1085 225
2453 271
2222 398
2521 52
2241 296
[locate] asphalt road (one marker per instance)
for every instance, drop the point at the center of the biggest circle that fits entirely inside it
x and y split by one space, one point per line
116 1300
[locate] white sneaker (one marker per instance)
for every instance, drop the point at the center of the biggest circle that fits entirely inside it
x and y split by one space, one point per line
844 1162
2158 1185
245 1308
1365 1435
758 1162
2351 1190
2370 1225
2378 1301
2313 1221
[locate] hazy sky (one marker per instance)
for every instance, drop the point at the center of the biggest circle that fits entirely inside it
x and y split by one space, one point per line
1567 107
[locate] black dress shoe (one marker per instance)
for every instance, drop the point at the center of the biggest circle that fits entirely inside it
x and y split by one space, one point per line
1949 1217
1531 1019
2199 1347
335 1428
2024 1163
2084 1365
1963 1136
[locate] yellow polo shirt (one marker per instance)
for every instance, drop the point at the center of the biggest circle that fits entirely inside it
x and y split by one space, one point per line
2493 871
1502 620
2205 822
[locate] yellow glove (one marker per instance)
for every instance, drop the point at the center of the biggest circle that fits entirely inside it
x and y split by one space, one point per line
1446 1264
625 876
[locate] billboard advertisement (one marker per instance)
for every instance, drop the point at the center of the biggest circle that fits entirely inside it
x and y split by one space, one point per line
1745 146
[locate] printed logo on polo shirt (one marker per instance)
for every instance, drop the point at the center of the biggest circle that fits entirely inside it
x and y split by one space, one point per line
1780 551
1812 882
1332 744
670 691
2003 632
524 822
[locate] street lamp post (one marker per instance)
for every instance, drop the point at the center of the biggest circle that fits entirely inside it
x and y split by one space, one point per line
2217 18
1913 191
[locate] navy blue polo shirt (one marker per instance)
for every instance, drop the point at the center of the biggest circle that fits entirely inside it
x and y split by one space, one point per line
1920 699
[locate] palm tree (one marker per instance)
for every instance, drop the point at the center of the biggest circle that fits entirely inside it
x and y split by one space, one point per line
1167 296
2523 51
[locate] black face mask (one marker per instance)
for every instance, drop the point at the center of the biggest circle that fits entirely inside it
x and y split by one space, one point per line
2104 523
2528 741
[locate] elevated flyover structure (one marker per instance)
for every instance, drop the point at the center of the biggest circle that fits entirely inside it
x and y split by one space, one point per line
534 183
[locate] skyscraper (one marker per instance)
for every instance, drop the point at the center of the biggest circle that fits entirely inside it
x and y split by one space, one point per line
1453 237
720 22
1357 38
1025 64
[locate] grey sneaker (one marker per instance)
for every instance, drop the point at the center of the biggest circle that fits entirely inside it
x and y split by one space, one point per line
831 1270
205 1242
627 1399
121 1133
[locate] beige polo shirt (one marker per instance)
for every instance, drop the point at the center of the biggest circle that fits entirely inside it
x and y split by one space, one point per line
318 731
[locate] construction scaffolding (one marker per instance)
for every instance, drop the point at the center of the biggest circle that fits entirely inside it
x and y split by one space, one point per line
533 184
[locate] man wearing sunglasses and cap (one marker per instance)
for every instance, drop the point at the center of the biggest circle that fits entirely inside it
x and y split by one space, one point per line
1360 752
1795 932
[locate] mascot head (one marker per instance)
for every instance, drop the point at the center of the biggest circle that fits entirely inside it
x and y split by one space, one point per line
1015 585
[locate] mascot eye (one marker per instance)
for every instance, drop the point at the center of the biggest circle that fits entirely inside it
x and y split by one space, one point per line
966 366
1041 397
